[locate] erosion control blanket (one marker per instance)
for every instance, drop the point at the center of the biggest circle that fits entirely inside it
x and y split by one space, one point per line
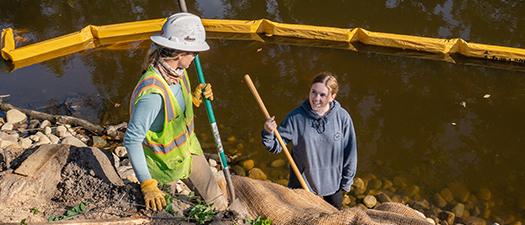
287 206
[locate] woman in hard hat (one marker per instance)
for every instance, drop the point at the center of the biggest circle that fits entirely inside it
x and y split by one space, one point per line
160 137
323 138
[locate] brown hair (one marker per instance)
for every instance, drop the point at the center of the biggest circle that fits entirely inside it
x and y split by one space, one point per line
155 53
329 80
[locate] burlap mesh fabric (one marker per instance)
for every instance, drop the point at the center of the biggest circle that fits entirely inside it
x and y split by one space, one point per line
297 206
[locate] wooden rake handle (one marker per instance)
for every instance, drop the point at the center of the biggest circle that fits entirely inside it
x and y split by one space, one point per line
275 131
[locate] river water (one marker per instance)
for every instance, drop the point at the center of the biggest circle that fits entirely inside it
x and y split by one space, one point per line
416 116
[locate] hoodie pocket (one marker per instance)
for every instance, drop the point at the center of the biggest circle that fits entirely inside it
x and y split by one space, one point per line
323 180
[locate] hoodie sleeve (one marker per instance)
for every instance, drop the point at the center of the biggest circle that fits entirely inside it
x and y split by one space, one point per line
350 156
286 129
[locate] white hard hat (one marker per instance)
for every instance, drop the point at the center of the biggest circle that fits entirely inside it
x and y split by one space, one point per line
183 32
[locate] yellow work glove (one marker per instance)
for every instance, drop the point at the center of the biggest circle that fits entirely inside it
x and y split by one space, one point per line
153 196
197 93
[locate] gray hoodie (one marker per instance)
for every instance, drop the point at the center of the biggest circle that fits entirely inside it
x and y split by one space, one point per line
324 148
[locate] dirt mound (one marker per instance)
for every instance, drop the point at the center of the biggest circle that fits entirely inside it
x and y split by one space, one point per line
104 200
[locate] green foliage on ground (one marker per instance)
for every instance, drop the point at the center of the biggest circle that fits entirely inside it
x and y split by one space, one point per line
260 221
34 211
202 213
69 214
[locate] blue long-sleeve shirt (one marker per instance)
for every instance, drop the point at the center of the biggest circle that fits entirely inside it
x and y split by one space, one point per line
324 148
148 114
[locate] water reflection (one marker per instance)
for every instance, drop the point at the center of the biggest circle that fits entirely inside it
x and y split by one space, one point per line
407 107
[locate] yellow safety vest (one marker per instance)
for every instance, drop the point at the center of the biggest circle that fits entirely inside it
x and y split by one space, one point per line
168 152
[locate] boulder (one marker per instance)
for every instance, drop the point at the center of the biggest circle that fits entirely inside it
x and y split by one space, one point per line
484 194
25 143
53 138
45 124
278 163
256 173
239 170
358 187
70 140
7 127
447 216
120 151
382 197
248 164
439 201
47 130
459 209
99 142
15 116
370 201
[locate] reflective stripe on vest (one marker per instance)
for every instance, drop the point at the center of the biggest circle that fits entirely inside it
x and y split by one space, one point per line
154 81
181 139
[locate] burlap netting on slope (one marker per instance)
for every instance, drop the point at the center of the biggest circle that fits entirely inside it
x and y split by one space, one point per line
287 206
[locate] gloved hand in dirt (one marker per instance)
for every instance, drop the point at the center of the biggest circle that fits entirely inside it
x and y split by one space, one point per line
153 196
197 93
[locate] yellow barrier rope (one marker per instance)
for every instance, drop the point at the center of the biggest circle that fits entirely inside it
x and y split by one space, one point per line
93 36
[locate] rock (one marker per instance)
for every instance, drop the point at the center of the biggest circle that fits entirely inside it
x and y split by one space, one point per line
182 188
54 139
127 173
256 173
411 190
121 151
248 164
370 201
45 124
99 142
358 187
459 191
7 127
447 216
33 124
400 182
459 209
430 220
382 197
61 131
14 116
421 206
484 194
47 130
25 143
375 184
278 163
239 170
43 140
283 182
387 184
5 143
70 140
397 198
439 201
474 221
446 194
212 162
8 137
346 200
231 139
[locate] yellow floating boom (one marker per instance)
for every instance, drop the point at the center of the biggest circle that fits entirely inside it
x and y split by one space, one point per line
92 36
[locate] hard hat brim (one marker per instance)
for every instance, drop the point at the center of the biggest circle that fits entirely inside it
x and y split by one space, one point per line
164 42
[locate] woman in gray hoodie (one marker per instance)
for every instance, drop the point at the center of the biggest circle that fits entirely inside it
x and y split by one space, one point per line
323 139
